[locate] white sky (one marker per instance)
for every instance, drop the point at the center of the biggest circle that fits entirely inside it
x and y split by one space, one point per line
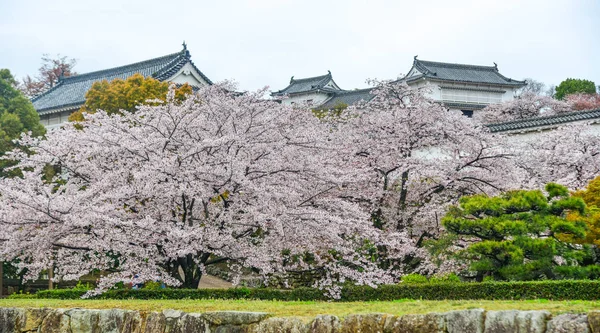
264 42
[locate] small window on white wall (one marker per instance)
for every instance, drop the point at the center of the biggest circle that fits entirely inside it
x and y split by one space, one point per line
467 113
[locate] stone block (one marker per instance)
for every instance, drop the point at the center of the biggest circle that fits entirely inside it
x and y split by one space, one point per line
173 322
55 322
194 323
33 319
413 323
364 323
516 321
594 321
235 318
465 321
11 319
325 324
279 325
83 320
153 322
568 323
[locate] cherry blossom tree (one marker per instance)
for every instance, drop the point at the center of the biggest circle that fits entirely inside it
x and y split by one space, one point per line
527 105
532 86
583 101
163 192
569 155
52 69
417 157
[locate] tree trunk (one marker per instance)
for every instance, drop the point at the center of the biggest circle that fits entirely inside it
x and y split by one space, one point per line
402 199
1 279
191 271
50 277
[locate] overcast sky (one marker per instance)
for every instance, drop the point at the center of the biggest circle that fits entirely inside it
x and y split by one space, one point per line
265 42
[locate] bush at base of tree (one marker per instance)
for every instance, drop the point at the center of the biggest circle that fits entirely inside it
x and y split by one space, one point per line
554 290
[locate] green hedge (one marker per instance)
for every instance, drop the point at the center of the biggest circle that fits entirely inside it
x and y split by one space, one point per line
553 290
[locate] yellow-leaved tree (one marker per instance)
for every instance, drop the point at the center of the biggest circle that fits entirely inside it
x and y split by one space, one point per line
120 94
591 196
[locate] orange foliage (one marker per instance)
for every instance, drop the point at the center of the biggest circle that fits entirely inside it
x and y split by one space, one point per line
591 196
121 95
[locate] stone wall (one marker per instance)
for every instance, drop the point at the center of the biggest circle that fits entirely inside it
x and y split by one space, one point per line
171 321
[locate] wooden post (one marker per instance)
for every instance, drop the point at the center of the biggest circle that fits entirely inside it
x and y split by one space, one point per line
50 276
1 277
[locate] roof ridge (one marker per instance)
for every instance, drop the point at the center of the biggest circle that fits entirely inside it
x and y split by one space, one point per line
35 98
118 69
354 90
558 115
312 78
557 119
452 64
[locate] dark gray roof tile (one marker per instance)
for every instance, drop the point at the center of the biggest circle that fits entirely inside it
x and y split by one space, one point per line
348 97
461 73
306 85
545 121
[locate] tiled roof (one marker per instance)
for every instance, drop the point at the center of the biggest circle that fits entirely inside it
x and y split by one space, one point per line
348 97
461 73
306 85
546 121
70 91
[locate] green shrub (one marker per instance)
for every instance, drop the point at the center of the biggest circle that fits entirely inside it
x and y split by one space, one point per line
414 279
83 286
151 285
21 295
488 278
449 278
550 289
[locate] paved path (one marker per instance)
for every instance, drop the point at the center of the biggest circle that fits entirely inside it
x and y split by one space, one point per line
209 281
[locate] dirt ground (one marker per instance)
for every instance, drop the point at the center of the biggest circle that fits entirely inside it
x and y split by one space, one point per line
209 281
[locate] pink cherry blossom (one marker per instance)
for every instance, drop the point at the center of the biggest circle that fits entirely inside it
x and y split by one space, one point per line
163 192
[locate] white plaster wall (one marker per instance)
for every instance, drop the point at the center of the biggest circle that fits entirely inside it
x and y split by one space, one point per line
55 120
436 93
535 135
187 74
509 95
318 99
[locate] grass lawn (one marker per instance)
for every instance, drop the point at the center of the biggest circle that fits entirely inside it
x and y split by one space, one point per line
308 309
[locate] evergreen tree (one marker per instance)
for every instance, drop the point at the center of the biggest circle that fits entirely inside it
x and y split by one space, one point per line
520 235
17 116
573 86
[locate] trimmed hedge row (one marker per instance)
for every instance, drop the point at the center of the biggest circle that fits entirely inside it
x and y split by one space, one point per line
553 290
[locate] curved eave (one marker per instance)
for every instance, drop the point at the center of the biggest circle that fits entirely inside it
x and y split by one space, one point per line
62 108
172 69
433 78
316 90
